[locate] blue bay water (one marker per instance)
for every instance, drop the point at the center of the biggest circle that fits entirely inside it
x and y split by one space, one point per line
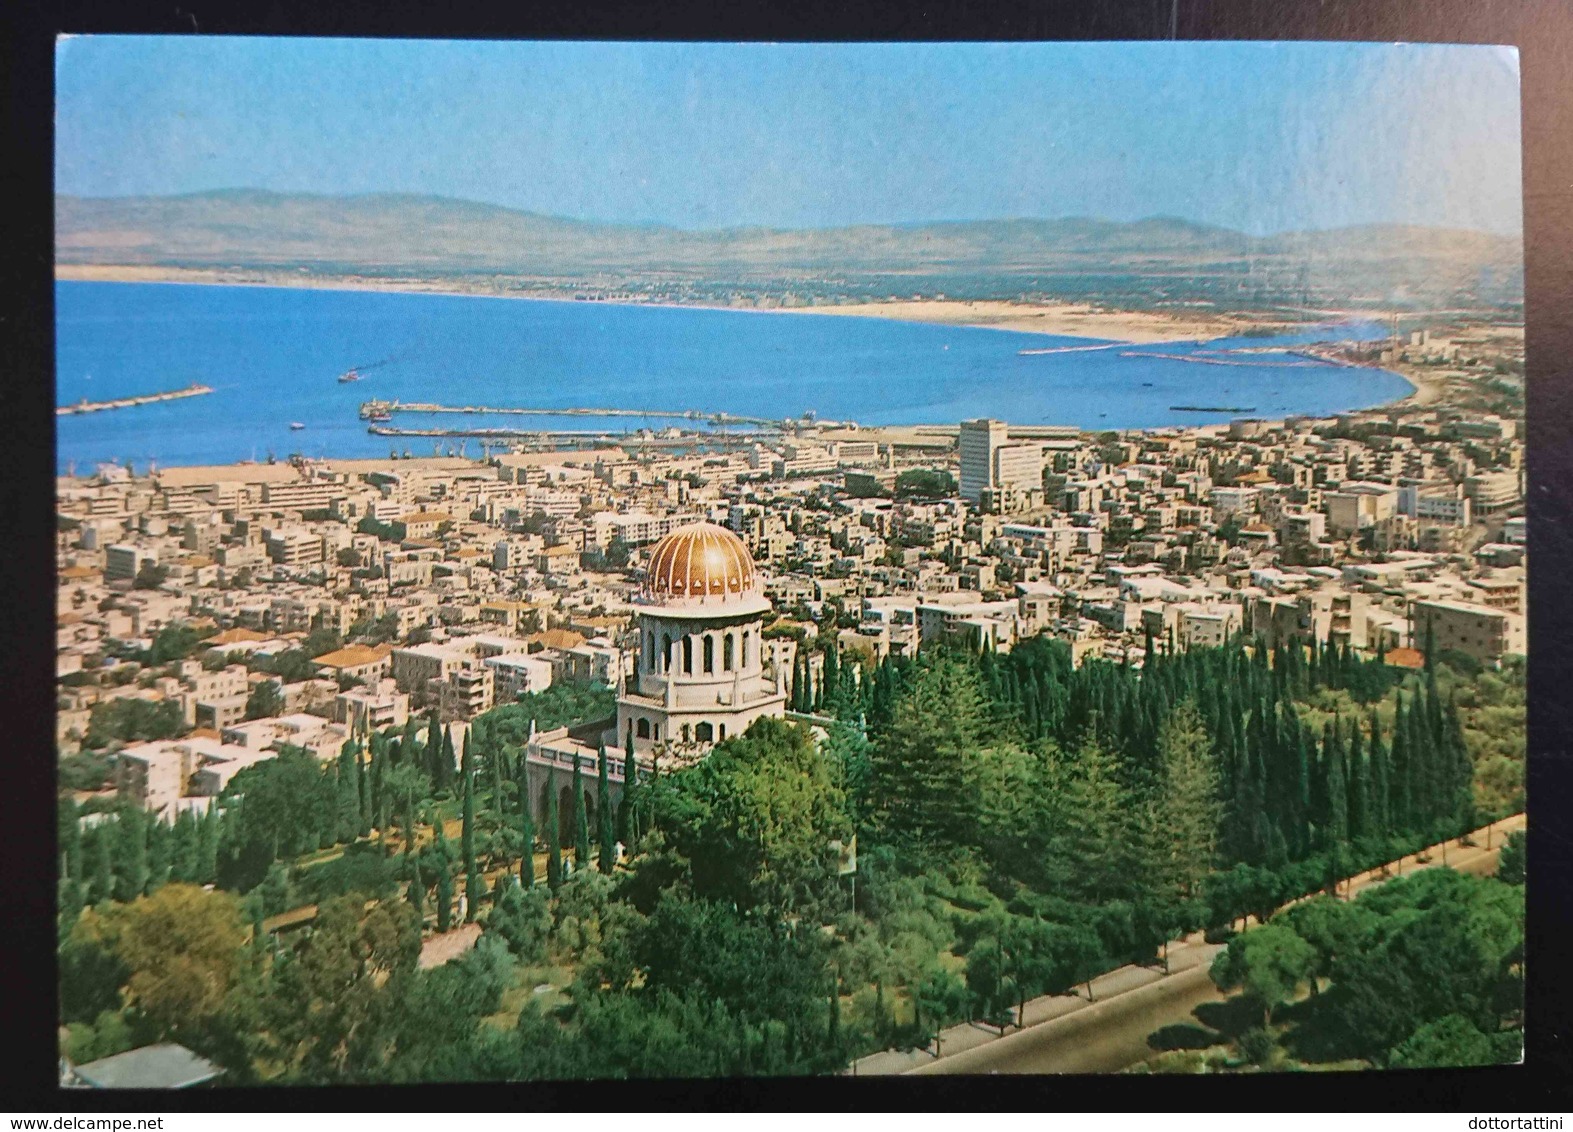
273 356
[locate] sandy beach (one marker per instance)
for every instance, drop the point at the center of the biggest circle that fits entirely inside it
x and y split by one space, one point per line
1077 320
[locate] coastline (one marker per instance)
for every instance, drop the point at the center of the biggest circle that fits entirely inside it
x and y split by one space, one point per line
1060 320
1054 319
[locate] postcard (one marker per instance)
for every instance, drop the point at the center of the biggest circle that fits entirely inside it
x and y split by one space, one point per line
648 560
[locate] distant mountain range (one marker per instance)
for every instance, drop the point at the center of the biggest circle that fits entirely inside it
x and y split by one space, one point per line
1160 260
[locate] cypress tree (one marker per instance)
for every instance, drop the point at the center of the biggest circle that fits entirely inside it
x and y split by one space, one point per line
433 748
132 874
1461 772
362 794
410 743
445 761
1302 788
69 826
1359 805
1319 783
417 893
1337 791
1381 782
376 751
1401 806
833 1034
346 800
1031 718
494 765
1422 767
207 847
183 866
444 897
474 884
158 854
581 821
381 806
603 815
526 830
625 808
1252 815
554 852
101 864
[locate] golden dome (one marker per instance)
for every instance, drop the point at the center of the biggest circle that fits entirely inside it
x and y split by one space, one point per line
697 562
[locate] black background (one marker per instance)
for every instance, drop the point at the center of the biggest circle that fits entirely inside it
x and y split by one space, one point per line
1543 31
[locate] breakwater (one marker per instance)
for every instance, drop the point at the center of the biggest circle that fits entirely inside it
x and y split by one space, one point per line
86 406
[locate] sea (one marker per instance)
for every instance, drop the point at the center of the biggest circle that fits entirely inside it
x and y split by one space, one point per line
273 356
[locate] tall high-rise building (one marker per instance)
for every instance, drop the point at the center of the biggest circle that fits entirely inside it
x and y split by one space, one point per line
996 474
978 440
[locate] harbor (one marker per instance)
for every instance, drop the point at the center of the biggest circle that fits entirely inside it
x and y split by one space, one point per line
86 406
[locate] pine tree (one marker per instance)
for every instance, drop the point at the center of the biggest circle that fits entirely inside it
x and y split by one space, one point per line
581 822
603 815
1096 834
1189 808
554 852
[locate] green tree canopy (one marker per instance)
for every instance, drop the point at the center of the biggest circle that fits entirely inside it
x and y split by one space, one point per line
755 820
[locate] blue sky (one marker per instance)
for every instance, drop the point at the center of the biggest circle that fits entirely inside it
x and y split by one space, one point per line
1260 137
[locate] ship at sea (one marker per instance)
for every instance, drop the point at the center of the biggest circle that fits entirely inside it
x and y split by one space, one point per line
296 425
348 376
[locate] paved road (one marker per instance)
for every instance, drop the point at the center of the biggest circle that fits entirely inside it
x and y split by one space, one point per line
1068 1034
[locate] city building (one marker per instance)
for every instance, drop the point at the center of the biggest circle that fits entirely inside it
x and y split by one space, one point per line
995 474
703 672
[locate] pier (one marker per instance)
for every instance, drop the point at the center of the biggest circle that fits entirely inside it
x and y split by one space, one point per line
372 409
1215 361
86 406
577 437
1068 349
